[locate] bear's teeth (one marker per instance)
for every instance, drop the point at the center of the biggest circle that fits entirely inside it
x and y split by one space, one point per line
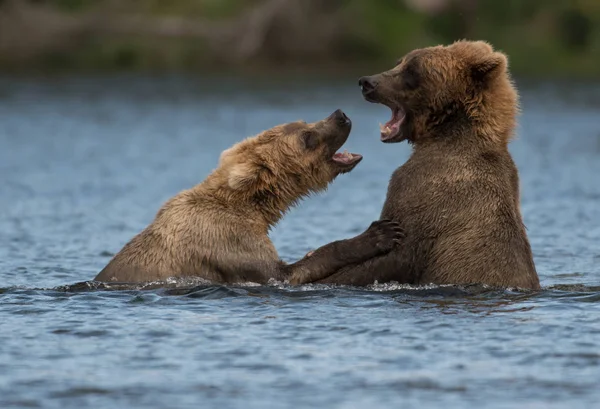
385 129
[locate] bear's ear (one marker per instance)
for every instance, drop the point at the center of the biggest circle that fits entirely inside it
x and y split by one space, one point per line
243 176
488 66
224 155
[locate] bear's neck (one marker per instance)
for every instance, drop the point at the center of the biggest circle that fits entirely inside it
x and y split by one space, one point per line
265 207
488 133
274 202
463 138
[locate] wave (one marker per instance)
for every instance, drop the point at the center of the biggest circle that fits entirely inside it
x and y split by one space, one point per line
200 288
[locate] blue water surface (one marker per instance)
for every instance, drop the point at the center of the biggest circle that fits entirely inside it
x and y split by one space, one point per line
85 163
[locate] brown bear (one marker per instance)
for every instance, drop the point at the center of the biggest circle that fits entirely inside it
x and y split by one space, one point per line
457 196
218 230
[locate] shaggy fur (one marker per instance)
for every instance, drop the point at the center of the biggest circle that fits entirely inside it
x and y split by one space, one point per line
218 230
457 197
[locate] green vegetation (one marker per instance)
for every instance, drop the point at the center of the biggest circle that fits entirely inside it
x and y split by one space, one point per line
542 37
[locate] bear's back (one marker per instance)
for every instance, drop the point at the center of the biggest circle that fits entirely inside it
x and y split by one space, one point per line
191 236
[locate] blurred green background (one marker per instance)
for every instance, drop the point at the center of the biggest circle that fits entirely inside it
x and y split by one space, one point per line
547 38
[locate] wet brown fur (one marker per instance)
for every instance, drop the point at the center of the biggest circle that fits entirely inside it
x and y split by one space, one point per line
457 197
218 230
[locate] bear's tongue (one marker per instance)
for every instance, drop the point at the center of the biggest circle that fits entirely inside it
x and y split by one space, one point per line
391 128
346 158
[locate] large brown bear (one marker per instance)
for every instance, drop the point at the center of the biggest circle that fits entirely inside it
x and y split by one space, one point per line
218 230
457 197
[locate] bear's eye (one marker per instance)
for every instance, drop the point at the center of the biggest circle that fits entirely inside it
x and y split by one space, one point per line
310 140
411 76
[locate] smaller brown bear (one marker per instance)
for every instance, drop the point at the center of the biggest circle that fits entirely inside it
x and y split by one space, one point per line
457 196
218 230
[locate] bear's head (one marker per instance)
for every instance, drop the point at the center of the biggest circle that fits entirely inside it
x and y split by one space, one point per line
281 165
458 91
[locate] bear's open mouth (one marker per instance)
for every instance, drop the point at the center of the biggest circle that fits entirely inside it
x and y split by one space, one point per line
346 158
391 129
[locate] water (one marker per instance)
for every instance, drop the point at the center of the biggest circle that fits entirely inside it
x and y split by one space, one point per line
84 166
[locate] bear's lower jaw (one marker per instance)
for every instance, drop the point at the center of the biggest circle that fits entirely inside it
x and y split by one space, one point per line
394 138
391 131
346 158
346 161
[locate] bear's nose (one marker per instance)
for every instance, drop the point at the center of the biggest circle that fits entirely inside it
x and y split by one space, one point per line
367 84
341 117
